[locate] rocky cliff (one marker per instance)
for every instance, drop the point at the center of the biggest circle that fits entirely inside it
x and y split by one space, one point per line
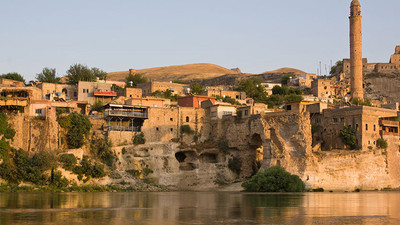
230 150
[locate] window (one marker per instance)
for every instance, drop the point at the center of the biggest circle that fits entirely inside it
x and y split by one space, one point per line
374 127
38 111
356 126
75 94
335 120
213 114
171 119
366 126
130 96
187 119
157 129
289 107
342 119
246 112
172 130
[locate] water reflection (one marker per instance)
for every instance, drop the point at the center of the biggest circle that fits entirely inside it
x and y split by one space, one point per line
199 208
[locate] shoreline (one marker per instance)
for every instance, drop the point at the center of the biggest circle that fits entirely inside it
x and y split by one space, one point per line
13 188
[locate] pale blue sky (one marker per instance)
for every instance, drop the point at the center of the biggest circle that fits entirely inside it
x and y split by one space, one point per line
254 35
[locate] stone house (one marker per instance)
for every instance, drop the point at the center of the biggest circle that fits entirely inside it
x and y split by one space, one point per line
364 119
194 100
95 91
10 83
322 88
220 110
50 91
128 92
163 125
149 102
237 95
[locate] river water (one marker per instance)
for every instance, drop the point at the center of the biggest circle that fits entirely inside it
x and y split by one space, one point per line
199 208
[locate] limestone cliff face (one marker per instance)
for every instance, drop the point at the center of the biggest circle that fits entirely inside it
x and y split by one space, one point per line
382 85
259 142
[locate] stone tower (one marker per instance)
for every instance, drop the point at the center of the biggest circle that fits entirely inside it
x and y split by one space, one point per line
356 65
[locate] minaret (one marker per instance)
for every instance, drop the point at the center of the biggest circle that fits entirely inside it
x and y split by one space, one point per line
356 65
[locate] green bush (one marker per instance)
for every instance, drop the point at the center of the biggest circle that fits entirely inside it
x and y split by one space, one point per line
56 180
134 173
381 143
348 136
69 161
235 164
274 179
186 129
43 161
86 168
101 148
98 106
5 128
78 127
139 139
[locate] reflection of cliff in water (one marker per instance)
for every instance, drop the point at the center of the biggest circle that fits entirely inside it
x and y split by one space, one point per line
199 208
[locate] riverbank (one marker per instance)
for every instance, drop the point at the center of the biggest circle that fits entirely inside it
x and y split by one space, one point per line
84 188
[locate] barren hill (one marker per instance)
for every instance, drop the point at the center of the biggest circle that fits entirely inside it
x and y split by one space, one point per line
183 72
286 70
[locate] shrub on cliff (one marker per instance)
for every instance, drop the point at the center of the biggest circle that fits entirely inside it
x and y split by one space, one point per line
78 127
274 179
69 161
139 139
101 148
186 129
381 143
348 136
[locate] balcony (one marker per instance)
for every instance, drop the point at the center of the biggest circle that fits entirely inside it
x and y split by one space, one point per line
123 128
126 114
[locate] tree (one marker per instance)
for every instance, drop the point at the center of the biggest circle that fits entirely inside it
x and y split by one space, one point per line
78 127
13 76
132 80
285 79
47 75
98 73
337 68
98 106
348 136
79 72
253 89
274 179
196 89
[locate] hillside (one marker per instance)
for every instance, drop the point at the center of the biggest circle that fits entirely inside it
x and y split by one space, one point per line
182 72
285 70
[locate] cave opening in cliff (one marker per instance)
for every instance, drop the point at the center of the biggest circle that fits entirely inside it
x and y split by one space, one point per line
180 156
209 158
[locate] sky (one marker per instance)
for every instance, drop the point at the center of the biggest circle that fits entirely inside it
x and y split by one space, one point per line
253 35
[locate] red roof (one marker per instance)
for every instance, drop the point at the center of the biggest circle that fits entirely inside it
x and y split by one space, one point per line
103 93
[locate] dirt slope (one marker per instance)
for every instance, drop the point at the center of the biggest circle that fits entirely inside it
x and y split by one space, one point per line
182 72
